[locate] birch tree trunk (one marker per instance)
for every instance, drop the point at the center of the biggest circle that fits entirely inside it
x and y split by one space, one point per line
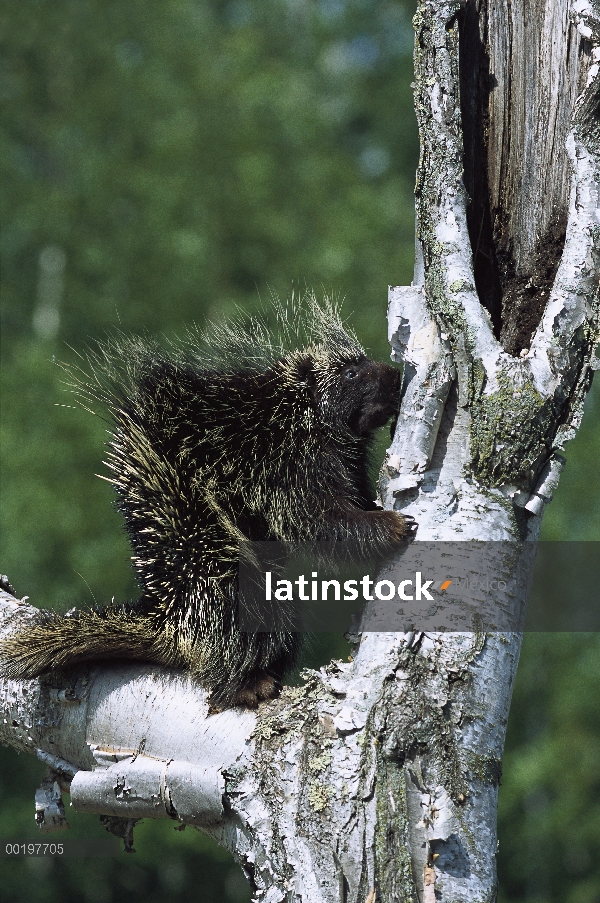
377 780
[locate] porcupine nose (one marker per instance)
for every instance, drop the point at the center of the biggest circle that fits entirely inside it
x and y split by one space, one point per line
389 381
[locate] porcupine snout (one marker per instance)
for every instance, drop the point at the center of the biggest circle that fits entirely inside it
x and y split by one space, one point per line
381 398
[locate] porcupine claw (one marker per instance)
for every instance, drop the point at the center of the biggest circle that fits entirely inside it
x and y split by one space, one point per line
411 524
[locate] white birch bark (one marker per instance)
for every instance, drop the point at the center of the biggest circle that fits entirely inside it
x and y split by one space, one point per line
377 779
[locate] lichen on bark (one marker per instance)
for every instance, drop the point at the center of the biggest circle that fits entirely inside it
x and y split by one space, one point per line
502 450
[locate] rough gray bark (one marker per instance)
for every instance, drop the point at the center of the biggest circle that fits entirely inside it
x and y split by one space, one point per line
377 780
522 67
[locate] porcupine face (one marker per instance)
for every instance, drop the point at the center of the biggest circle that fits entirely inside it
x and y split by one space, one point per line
359 396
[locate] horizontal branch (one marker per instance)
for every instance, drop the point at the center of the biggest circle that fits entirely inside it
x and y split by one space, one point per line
166 757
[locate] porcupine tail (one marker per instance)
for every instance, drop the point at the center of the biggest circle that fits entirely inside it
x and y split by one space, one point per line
52 641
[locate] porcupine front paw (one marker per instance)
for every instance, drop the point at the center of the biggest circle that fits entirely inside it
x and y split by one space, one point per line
400 526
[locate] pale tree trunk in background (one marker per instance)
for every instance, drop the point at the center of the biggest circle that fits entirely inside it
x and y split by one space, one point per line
377 780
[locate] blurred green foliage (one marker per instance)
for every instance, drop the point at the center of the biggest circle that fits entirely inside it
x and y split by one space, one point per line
184 155
163 163
549 818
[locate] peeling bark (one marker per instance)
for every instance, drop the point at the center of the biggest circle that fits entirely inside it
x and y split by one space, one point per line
377 779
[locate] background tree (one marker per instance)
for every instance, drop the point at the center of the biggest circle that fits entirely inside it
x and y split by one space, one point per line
292 163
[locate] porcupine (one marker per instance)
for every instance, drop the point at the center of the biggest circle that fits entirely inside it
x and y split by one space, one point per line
232 436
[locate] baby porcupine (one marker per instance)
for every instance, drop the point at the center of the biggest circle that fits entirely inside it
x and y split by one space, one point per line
231 436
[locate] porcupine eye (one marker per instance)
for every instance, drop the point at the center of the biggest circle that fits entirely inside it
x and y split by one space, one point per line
350 373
